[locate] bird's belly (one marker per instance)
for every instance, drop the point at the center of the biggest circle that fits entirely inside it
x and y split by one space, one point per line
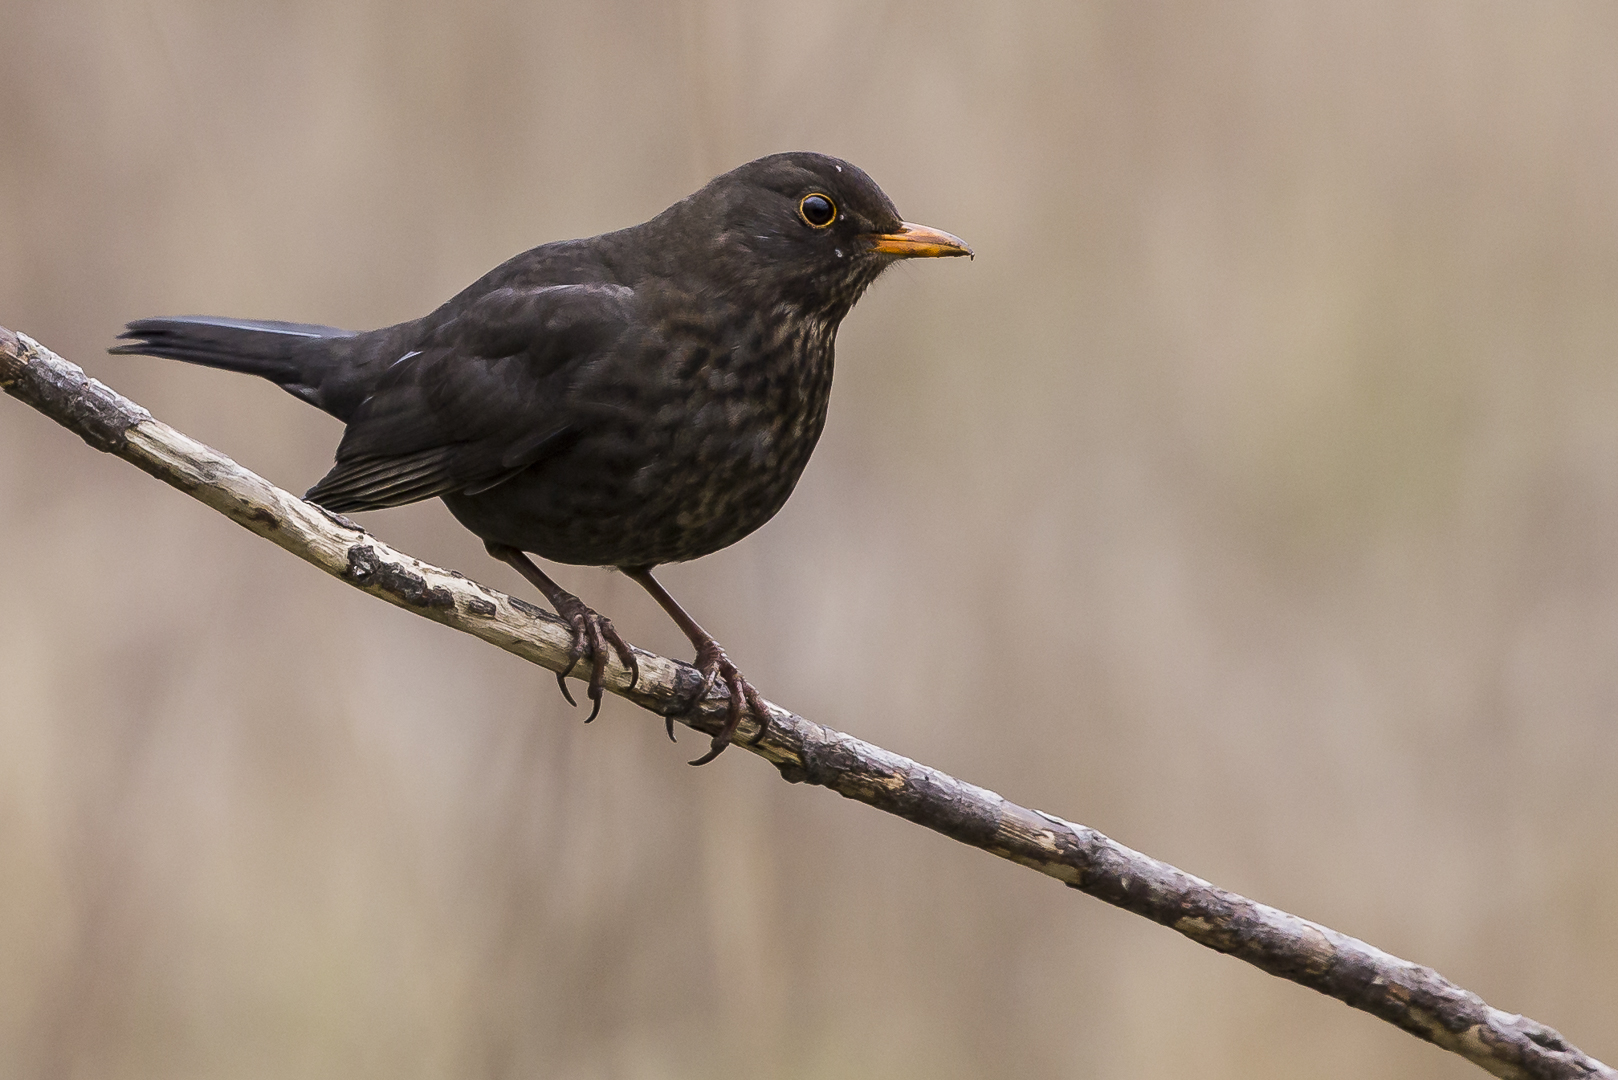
683 449
669 494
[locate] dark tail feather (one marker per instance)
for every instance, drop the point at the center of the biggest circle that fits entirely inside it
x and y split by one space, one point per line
285 353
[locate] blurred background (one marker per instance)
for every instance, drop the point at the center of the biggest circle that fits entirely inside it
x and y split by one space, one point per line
1252 497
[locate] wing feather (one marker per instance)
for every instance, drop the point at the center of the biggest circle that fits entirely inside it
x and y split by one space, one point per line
479 399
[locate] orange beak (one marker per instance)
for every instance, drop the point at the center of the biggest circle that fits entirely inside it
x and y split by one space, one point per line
918 242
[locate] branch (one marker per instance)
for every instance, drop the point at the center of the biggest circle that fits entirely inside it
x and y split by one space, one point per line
1413 997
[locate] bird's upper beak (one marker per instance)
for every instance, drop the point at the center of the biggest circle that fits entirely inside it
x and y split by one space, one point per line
918 242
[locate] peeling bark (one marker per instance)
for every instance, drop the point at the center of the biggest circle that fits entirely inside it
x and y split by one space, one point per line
1413 997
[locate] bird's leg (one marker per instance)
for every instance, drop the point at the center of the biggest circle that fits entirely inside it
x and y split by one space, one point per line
712 662
592 632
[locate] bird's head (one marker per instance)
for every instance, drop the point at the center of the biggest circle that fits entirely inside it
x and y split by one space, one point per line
806 229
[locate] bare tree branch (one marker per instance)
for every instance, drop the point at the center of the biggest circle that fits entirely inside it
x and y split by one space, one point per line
1413 997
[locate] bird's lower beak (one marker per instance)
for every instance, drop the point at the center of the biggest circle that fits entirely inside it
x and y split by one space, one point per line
919 242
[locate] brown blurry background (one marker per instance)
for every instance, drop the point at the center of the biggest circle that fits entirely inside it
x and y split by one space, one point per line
1253 497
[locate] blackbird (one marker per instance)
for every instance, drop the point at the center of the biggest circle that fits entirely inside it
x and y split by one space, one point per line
641 397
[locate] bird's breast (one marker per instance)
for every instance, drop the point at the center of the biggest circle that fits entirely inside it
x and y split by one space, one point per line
735 434
687 444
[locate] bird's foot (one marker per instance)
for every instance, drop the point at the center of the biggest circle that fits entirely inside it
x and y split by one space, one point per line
593 634
714 664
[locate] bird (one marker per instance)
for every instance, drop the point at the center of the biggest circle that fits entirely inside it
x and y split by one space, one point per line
638 398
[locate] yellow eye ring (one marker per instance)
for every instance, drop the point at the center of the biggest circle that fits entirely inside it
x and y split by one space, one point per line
817 210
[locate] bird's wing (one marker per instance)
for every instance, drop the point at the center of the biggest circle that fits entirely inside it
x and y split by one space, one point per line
480 400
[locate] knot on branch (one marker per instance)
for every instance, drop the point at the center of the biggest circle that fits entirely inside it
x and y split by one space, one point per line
370 571
62 391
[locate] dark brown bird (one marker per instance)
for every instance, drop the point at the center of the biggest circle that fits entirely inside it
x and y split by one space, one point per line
641 397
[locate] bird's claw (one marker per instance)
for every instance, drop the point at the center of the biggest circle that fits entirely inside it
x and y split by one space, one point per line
714 664
593 635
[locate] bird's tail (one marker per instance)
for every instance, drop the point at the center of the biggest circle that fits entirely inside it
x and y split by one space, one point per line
296 356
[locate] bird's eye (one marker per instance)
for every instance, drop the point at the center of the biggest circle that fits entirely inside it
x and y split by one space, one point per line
817 210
